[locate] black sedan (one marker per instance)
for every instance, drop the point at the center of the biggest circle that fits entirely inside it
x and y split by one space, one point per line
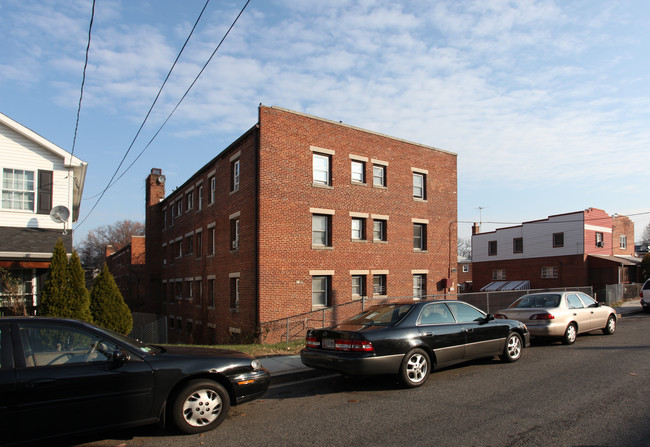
410 339
62 377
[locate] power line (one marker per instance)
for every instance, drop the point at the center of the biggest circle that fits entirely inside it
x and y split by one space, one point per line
83 79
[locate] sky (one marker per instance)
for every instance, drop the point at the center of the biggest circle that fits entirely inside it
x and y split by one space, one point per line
546 103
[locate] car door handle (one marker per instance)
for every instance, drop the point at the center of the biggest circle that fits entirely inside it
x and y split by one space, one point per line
39 383
468 330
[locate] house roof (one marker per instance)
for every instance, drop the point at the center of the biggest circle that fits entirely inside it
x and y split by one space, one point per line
69 161
31 243
622 260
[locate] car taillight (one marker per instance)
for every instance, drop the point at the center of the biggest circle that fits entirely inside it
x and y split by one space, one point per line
353 345
545 316
500 317
641 294
312 342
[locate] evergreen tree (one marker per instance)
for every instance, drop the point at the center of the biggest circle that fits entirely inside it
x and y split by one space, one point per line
107 305
54 301
78 294
645 267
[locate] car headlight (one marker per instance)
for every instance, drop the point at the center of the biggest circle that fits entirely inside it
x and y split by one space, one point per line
256 365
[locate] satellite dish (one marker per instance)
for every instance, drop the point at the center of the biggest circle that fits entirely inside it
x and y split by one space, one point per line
60 214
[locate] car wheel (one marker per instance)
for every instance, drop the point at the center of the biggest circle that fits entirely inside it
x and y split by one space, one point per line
610 328
570 334
512 351
200 406
415 368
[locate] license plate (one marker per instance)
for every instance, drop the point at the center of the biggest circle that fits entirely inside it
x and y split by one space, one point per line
328 343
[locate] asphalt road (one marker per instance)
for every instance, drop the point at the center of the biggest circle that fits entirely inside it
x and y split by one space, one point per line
593 393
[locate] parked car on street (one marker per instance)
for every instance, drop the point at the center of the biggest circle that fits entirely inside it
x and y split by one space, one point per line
561 315
645 296
62 377
410 339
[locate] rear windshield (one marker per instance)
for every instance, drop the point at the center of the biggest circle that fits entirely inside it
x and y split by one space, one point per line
381 315
528 301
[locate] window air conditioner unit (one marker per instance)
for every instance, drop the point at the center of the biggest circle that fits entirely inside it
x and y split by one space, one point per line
235 245
600 244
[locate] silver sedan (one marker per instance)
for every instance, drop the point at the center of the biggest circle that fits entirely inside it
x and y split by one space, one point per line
561 314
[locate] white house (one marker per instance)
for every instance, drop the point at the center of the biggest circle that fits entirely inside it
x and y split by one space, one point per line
42 186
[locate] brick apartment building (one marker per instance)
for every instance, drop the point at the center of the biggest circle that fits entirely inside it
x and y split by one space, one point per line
127 265
298 214
585 248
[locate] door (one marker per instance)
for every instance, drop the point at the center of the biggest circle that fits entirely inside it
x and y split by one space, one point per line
597 315
68 381
483 337
579 313
440 331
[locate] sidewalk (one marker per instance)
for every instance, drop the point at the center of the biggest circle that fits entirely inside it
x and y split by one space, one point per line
289 368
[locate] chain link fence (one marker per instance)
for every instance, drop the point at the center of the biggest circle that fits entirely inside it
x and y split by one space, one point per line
149 328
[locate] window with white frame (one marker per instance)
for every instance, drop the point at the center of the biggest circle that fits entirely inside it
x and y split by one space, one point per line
234 293
213 190
499 274
379 175
600 240
379 230
465 268
419 286
320 286
419 236
622 242
234 233
419 185
321 169
17 189
358 229
549 272
234 182
200 199
358 171
320 230
379 285
358 286
190 200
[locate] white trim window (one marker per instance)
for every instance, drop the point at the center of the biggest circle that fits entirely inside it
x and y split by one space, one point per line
379 285
419 286
17 189
358 229
320 286
320 230
622 242
419 190
549 272
379 175
321 169
358 171
235 176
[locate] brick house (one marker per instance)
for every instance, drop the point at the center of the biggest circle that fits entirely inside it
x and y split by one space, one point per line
42 186
127 265
298 214
585 248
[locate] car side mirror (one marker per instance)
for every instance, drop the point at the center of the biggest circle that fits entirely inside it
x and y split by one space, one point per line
489 317
119 358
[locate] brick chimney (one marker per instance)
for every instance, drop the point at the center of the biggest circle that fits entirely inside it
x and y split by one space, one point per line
155 193
476 229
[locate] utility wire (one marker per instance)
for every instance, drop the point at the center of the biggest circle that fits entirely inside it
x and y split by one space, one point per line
83 79
111 183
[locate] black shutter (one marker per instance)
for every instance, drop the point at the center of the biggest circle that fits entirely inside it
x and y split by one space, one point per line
44 205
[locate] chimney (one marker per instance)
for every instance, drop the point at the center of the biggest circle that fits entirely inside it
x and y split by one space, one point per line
476 229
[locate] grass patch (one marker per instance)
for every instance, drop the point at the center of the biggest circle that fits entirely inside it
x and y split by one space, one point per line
263 350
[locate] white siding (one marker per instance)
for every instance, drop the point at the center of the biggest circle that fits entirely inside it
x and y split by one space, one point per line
18 152
537 239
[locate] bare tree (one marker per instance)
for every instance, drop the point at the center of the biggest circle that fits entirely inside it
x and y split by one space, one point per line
92 250
646 235
465 247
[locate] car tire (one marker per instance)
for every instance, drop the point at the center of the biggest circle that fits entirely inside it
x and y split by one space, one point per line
570 334
200 406
610 327
415 368
512 350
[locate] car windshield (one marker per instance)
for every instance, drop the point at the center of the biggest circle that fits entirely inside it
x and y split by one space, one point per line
134 344
541 300
380 315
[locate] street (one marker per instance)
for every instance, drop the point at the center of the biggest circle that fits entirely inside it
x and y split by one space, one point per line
592 393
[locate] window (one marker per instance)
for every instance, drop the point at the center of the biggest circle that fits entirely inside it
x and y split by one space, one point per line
189 244
465 268
234 176
499 274
211 292
419 286
213 190
518 245
358 286
17 189
234 233
211 241
320 290
45 187
199 244
358 171
378 175
558 239
419 191
200 199
198 292
234 293
587 300
623 242
379 230
437 313
492 248
549 272
179 249
321 169
573 302
419 236
465 313
190 200
189 289
49 345
600 241
379 285
320 230
179 208
178 289
358 229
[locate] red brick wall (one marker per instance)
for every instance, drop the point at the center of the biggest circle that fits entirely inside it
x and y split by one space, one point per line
572 272
287 194
622 225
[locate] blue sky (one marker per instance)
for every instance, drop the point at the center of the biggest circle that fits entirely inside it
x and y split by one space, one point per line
546 103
